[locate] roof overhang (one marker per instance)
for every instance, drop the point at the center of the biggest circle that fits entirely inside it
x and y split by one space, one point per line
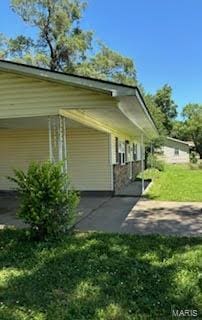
178 141
130 101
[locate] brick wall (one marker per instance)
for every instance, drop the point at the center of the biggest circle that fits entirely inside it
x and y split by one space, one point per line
136 168
121 174
121 177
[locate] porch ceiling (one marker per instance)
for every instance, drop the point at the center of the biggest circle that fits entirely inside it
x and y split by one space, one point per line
111 121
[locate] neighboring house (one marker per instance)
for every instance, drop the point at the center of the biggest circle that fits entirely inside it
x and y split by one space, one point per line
175 151
98 126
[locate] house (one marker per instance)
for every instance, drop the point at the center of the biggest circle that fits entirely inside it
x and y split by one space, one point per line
97 128
175 151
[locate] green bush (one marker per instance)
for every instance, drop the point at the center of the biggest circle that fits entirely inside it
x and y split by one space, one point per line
153 162
46 201
193 157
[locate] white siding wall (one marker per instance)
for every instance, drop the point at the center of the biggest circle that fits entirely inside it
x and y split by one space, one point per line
88 156
170 157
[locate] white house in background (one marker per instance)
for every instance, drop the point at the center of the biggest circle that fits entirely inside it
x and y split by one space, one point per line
97 128
175 151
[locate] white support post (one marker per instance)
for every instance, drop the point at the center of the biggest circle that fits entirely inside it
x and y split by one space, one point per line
50 140
65 143
142 161
60 139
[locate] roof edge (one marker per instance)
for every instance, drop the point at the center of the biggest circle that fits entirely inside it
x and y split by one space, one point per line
112 88
177 140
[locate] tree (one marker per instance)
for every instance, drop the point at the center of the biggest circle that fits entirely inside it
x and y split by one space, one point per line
61 44
157 113
60 40
180 132
192 114
109 65
163 100
162 108
3 45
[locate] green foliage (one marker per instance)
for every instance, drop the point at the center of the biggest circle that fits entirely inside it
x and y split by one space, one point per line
46 201
163 110
180 132
3 46
60 40
108 65
61 44
154 162
176 183
157 114
193 124
96 276
163 100
193 157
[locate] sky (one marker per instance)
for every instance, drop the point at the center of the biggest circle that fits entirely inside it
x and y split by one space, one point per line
164 37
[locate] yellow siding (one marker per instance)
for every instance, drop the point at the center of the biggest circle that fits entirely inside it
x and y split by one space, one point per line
24 97
18 148
88 150
89 162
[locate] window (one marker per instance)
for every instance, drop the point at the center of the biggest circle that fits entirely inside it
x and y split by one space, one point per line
134 152
122 150
127 151
130 152
176 152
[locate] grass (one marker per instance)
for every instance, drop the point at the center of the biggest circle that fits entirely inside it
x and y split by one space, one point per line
93 276
176 183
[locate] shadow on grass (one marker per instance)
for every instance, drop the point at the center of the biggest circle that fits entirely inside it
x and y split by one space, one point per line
97 276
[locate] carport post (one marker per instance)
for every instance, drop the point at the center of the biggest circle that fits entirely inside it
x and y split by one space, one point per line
142 161
50 140
60 139
65 143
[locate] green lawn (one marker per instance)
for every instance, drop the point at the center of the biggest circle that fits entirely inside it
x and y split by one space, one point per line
99 277
176 183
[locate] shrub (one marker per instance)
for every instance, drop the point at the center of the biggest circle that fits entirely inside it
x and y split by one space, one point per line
153 162
193 157
46 201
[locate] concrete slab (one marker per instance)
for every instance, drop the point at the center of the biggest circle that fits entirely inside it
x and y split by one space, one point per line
88 204
9 206
134 189
128 215
165 217
110 216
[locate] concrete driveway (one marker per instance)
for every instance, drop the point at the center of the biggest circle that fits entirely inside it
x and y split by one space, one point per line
142 216
123 214
9 205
